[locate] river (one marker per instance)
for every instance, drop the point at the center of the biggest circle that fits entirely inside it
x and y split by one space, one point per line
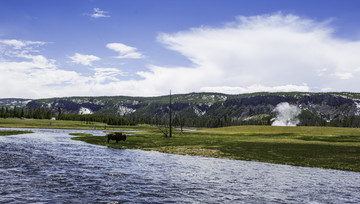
48 167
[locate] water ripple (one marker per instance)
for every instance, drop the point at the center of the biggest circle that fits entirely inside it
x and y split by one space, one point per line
48 167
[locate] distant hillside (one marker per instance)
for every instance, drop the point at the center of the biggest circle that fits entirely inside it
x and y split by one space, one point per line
316 108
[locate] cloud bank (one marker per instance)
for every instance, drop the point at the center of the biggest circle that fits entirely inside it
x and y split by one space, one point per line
258 53
269 53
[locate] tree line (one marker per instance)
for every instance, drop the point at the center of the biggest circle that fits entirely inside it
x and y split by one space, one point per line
29 112
44 113
110 120
306 118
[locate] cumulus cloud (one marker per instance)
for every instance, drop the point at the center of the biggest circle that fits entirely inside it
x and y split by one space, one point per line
125 51
83 59
258 53
266 53
99 13
25 73
25 50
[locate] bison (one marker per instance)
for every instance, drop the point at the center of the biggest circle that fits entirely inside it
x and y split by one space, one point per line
118 136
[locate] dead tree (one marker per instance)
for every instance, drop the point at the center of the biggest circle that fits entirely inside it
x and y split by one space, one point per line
170 117
167 130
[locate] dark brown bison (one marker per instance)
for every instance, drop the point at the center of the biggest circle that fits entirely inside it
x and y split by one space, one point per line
118 136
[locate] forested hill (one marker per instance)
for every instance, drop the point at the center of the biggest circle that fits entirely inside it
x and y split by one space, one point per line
209 109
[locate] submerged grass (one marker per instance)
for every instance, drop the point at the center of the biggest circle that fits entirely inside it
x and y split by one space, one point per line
325 147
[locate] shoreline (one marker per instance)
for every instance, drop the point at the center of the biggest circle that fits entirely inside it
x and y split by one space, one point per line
323 147
278 148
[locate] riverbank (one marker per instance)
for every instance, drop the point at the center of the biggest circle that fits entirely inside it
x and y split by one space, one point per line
325 147
47 167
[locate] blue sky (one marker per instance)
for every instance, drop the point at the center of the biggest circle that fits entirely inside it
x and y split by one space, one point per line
144 48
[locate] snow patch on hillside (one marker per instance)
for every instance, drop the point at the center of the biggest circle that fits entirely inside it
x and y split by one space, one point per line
26 102
98 102
123 110
78 101
85 111
357 103
199 112
212 99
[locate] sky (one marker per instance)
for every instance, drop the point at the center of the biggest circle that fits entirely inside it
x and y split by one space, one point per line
64 48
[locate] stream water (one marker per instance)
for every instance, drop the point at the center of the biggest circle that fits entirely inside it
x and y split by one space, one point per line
48 167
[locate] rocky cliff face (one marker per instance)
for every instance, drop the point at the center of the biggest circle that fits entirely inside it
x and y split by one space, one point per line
327 106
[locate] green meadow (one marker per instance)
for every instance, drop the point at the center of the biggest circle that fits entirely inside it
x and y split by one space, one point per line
49 124
325 147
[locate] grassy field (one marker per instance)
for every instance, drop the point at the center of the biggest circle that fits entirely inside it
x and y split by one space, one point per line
326 147
46 124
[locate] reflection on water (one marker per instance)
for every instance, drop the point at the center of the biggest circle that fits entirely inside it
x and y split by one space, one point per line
47 166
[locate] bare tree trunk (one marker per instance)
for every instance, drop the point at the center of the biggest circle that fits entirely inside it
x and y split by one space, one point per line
170 118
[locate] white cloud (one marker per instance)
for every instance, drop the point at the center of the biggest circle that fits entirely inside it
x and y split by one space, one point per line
264 53
29 75
107 74
255 88
99 13
260 53
18 44
327 89
343 75
125 51
84 59
23 49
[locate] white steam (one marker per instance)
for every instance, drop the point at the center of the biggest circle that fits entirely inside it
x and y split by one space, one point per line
286 115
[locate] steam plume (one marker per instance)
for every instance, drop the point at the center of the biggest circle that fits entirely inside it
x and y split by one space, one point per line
286 115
